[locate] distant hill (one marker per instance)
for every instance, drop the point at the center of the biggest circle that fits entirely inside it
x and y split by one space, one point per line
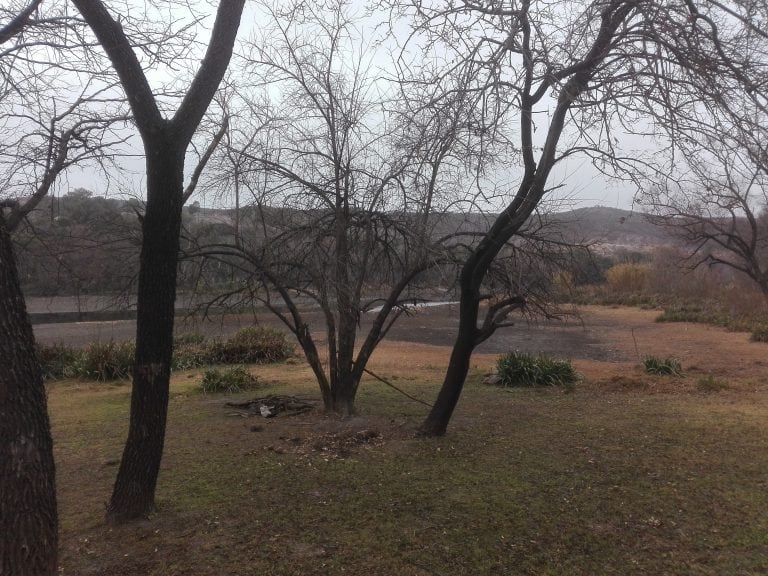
85 245
612 229
608 229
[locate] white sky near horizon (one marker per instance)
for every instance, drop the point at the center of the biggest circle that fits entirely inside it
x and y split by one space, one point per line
575 182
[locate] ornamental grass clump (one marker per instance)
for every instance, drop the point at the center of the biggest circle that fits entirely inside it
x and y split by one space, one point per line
662 366
523 369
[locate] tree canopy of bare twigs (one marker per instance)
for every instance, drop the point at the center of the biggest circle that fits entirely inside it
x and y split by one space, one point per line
576 78
340 189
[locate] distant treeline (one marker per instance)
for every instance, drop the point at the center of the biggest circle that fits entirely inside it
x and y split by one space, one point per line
80 244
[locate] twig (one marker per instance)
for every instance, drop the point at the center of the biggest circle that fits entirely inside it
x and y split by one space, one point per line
637 350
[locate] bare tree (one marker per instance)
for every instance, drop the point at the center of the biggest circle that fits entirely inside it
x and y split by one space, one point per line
713 193
345 192
574 78
165 143
716 205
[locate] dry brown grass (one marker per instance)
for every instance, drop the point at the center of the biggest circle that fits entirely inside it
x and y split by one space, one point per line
628 474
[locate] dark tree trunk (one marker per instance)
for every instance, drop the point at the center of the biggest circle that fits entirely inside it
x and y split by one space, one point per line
436 422
134 490
343 390
28 517
165 143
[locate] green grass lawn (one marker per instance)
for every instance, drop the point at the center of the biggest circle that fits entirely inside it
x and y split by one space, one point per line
526 482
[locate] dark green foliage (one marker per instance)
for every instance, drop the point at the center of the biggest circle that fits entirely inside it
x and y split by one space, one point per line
114 360
252 345
588 268
229 381
191 351
105 361
101 361
662 366
57 360
522 369
192 356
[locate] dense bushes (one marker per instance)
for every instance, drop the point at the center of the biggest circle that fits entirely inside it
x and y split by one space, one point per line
57 361
628 278
251 346
114 360
713 295
760 334
522 369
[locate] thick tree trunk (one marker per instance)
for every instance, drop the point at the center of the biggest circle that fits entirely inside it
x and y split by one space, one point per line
343 392
28 516
134 491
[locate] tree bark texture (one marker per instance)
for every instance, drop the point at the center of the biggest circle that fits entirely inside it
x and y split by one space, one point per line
134 490
28 514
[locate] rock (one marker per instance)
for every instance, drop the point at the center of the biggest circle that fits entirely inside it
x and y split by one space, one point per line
492 380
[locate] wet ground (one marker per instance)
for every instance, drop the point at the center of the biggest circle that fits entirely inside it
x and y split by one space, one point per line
572 337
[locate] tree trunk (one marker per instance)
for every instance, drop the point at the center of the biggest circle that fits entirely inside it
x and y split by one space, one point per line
28 516
134 491
344 390
436 422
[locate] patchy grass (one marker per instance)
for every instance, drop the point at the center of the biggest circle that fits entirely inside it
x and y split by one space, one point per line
714 314
760 334
229 381
711 384
667 366
528 481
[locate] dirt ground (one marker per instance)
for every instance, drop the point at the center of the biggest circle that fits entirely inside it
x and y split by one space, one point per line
595 333
576 336
630 474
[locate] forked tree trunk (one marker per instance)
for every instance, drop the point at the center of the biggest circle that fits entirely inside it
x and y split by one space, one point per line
165 142
134 490
28 516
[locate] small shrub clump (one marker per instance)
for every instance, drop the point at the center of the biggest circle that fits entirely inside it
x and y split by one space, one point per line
760 334
252 345
191 351
662 366
523 369
57 360
229 381
104 361
711 384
